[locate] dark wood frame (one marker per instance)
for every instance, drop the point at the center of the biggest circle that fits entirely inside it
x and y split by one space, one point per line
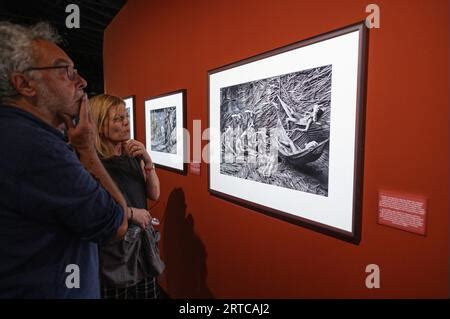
355 235
185 143
133 98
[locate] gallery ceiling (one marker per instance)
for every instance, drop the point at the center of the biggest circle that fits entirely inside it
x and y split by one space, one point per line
85 44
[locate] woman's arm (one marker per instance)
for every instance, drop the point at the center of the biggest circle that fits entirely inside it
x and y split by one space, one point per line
151 180
137 149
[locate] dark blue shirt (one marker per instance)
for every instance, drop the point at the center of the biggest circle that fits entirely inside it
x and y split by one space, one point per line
52 213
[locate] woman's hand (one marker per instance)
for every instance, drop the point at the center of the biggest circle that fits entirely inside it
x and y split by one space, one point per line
135 148
141 217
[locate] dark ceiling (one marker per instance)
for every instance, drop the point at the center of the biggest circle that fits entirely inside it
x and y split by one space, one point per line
83 45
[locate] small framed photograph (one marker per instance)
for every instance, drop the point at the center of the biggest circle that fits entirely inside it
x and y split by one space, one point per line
165 122
129 106
287 132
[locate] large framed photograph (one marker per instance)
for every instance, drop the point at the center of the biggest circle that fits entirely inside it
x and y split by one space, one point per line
287 132
129 106
165 122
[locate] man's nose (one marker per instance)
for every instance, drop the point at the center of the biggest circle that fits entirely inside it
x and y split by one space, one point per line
81 82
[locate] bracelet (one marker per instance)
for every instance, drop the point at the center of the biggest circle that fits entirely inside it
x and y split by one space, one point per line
131 210
150 169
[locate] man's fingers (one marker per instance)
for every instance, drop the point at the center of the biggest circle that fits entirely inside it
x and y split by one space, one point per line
84 111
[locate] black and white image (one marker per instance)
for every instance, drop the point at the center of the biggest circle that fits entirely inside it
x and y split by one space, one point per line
287 131
165 125
276 130
163 130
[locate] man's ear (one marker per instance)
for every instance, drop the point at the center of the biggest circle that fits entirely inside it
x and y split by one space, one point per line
22 84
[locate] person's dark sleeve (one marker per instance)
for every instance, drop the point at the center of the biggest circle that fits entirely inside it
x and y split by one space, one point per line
58 190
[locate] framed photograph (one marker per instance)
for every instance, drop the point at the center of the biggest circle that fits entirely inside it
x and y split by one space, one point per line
287 132
165 121
129 106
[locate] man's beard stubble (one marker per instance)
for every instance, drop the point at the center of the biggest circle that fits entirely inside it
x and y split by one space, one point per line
54 104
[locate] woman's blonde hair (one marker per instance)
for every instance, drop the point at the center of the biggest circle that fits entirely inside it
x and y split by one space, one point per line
100 106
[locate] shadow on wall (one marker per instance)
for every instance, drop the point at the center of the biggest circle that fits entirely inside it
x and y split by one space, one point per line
184 253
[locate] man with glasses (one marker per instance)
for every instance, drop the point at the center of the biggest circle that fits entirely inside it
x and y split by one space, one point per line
54 206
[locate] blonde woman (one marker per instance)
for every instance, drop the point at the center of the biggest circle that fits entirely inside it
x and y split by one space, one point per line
123 272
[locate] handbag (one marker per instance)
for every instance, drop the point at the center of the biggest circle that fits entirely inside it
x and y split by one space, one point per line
150 247
120 259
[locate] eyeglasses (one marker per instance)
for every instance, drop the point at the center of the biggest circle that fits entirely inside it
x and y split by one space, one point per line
71 72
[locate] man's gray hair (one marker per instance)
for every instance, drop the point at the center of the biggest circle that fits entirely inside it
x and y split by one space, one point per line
16 52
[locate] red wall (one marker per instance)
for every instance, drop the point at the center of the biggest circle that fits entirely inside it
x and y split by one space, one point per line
214 248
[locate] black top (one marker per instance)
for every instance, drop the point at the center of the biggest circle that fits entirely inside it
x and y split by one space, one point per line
127 174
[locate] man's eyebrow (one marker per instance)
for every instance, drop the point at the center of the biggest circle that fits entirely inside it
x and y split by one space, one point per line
61 61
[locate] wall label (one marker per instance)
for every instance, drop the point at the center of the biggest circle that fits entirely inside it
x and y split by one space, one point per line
402 211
